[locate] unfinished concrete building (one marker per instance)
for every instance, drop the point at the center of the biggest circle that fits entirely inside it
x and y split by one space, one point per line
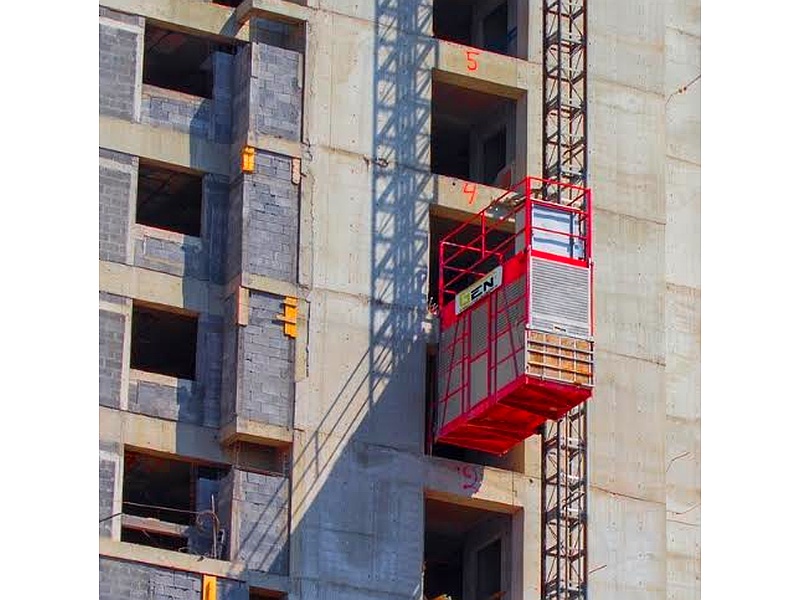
277 179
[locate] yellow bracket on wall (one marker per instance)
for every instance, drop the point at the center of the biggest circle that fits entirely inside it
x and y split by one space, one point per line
289 316
248 159
209 587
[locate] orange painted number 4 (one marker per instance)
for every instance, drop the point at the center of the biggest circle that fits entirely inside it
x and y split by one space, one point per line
469 190
472 63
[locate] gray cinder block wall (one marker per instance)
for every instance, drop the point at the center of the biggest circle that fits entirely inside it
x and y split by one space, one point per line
260 527
120 37
112 334
122 580
249 226
262 233
207 118
117 182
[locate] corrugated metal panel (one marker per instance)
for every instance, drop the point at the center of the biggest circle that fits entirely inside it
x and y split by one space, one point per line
560 297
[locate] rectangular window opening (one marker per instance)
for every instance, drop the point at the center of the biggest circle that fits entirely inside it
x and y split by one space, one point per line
169 199
178 61
458 561
163 341
472 134
485 24
173 504
440 226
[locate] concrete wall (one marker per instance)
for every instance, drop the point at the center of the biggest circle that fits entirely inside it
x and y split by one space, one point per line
352 242
683 296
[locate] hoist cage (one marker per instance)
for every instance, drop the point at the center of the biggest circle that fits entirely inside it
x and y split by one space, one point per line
515 300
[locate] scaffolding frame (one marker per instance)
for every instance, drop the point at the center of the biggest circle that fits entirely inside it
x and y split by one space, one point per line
564 465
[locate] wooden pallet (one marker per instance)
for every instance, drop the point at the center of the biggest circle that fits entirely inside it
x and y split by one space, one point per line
560 358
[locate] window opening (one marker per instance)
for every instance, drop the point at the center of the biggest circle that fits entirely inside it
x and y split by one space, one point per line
471 132
181 62
169 199
163 341
173 504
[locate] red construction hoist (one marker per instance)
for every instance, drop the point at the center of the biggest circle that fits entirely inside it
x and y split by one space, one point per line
515 287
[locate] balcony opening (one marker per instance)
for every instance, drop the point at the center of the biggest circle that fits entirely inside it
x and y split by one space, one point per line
169 199
440 226
173 504
486 24
181 62
163 341
466 552
473 134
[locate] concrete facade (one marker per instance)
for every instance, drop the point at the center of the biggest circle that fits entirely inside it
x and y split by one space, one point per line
336 214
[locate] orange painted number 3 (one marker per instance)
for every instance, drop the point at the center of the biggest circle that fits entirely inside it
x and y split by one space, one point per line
472 64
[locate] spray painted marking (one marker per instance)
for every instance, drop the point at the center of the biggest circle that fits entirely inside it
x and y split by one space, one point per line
470 189
481 288
472 63
471 479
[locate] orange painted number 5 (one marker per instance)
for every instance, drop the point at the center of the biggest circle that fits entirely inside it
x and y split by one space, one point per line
472 64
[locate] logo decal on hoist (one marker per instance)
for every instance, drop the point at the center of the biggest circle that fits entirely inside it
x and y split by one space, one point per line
481 288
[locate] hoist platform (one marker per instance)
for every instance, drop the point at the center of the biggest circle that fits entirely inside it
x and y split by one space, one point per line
516 344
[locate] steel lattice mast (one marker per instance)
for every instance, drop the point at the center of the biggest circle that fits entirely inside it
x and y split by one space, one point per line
564 443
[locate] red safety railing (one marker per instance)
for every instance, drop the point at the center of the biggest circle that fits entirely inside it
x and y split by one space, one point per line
507 227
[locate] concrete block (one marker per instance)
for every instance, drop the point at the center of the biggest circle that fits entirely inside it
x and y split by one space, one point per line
123 580
177 111
182 401
118 70
266 364
214 224
209 366
115 205
270 220
108 473
627 423
180 255
261 520
275 91
112 333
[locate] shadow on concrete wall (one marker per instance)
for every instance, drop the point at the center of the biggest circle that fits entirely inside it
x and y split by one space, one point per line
360 526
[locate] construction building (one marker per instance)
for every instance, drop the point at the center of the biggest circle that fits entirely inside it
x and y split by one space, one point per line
280 182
